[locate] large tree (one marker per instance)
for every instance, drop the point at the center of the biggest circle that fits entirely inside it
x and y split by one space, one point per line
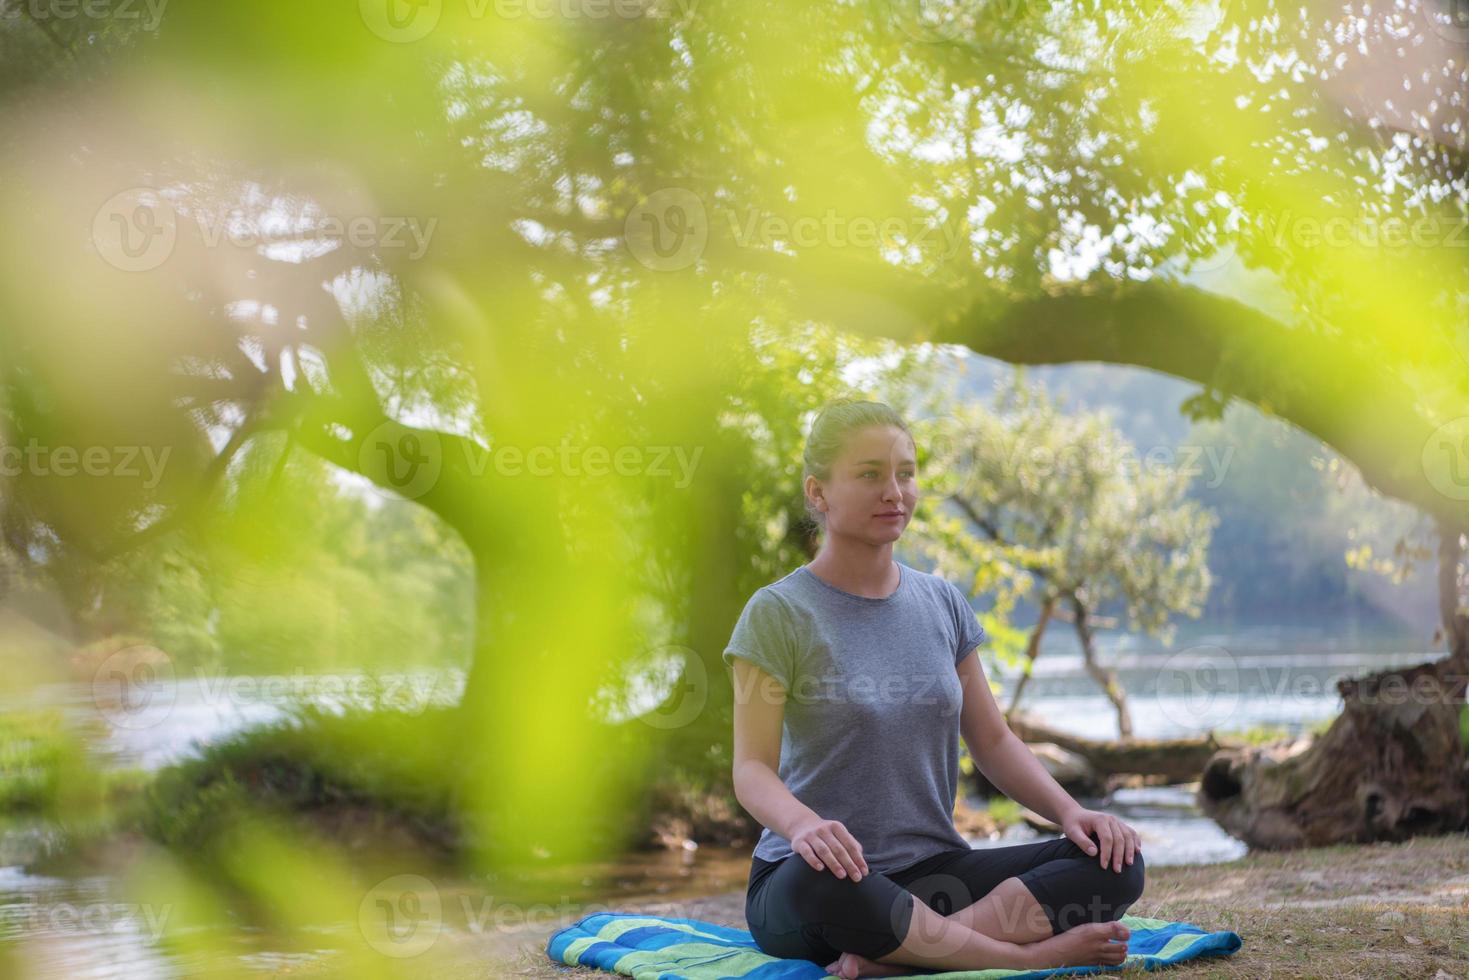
569 224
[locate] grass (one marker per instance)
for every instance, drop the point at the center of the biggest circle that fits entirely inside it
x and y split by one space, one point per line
1004 811
381 771
1382 910
44 770
1369 911
1266 734
34 755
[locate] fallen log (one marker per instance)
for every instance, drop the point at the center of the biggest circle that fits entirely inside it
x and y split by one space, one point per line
1177 760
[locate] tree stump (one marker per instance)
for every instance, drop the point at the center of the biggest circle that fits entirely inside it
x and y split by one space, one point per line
1392 766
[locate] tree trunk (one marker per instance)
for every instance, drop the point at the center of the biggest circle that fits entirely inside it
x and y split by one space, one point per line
1104 676
1393 764
698 714
1032 650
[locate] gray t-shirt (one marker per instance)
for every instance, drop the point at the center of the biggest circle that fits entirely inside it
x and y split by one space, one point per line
871 731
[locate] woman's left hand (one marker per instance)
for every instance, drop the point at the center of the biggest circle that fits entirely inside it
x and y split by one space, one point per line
1119 842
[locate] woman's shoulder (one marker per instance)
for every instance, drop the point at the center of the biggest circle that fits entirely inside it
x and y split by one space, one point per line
787 585
783 593
939 588
792 598
931 581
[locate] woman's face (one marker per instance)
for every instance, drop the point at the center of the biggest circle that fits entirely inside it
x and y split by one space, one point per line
873 487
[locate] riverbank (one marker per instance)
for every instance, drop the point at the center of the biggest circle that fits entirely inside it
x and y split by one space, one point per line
1370 911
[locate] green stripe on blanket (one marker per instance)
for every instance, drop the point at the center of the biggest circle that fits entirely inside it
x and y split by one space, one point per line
651 947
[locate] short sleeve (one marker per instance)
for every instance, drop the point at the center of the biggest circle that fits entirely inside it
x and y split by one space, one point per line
763 636
971 634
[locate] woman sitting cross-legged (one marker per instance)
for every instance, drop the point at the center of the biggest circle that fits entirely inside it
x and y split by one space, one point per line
853 683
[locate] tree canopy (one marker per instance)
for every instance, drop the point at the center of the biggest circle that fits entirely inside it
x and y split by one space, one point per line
409 240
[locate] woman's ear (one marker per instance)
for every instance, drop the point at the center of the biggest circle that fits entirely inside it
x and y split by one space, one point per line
814 494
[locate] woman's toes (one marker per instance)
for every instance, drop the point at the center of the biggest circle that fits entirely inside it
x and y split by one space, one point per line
1120 931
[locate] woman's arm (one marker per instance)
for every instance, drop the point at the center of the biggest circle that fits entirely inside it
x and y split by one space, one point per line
759 710
757 724
1008 763
999 753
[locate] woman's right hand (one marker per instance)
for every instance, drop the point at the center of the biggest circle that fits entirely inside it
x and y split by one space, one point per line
828 844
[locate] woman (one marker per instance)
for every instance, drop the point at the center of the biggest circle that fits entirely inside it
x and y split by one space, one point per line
852 686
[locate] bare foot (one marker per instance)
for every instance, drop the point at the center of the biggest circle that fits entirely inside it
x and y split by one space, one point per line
850 966
1086 945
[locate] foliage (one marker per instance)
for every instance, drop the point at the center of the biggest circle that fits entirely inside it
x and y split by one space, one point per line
46 770
391 764
647 232
1067 500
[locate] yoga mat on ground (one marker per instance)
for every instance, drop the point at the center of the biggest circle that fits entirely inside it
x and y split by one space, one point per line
650 947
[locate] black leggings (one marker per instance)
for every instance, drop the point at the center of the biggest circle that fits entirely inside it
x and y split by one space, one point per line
797 912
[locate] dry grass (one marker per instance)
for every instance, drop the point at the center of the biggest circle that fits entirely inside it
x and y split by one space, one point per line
1372 911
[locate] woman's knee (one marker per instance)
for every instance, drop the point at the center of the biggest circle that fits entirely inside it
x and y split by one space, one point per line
1134 878
817 895
874 906
1122 887
809 891
1118 887
1087 892
821 913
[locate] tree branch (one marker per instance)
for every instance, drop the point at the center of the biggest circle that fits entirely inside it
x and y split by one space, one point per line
1357 407
210 478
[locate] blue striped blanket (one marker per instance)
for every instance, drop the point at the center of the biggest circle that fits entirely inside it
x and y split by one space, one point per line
655 948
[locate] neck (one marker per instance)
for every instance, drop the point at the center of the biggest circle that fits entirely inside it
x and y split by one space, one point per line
856 566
